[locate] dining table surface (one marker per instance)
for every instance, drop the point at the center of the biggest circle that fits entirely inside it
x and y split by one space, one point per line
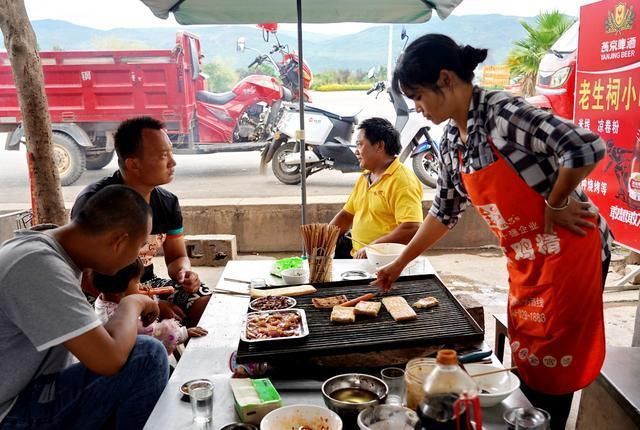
210 356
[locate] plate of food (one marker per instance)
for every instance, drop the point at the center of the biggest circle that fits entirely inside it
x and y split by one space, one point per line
283 324
272 303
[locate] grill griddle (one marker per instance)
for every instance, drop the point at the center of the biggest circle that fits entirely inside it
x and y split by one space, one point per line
448 322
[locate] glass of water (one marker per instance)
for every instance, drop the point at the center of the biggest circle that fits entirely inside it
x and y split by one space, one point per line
532 419
394 378
258 283
201 396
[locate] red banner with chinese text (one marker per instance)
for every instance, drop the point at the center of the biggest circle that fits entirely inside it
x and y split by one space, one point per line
608 103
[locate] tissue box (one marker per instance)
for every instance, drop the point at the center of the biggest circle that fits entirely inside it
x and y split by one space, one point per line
254 398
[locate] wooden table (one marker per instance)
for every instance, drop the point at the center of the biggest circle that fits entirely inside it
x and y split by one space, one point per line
208 357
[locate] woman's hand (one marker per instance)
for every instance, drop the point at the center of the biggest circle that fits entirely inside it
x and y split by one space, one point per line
388 274
575 217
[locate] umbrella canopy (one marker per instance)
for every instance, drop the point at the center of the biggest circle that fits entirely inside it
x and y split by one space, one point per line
313 11
194 12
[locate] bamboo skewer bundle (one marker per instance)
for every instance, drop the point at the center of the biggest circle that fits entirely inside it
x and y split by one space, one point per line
320 244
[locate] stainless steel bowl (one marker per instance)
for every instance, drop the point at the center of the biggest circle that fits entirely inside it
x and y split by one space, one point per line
349 411
238 426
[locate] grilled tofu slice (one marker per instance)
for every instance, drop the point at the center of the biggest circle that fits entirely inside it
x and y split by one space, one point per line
328 302
369 309
343 315
426 303
399 308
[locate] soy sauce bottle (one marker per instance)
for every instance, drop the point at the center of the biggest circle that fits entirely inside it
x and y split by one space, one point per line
449 394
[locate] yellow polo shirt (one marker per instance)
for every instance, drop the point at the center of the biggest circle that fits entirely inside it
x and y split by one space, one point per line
381 207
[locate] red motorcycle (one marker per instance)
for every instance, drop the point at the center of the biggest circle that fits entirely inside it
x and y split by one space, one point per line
247 113
287 67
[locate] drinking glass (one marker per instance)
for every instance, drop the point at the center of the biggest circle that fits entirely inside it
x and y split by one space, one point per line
394 378
258 283
201 396
532 419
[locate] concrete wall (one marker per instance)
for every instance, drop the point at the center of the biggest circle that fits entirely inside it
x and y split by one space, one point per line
273 227
272 224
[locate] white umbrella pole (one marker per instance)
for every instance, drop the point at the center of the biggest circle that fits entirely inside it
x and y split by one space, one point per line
303 164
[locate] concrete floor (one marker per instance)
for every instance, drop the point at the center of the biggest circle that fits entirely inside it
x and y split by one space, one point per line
482 274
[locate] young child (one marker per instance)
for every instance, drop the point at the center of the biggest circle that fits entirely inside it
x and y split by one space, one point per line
127 281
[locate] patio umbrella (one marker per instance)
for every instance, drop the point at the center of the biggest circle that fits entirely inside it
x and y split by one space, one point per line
198 12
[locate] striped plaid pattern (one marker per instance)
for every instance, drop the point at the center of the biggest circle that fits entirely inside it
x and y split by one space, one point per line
534 142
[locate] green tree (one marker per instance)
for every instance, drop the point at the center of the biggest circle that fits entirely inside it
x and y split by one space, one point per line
524 58
220 77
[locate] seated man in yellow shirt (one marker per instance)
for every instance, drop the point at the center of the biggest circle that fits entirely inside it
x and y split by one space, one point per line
385 205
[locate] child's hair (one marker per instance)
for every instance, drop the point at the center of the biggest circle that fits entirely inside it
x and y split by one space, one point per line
119 282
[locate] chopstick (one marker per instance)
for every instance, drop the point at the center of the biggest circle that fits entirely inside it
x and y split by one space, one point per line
237 280
240 281
232 292
508 369
371 246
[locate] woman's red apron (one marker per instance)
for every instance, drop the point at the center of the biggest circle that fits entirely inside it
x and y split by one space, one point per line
556 324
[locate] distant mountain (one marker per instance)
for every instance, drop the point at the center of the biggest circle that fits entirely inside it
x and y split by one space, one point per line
322 51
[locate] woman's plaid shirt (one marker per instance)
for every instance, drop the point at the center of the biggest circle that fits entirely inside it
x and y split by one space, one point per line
535 143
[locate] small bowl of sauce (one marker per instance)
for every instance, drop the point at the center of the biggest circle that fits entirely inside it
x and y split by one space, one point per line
350 393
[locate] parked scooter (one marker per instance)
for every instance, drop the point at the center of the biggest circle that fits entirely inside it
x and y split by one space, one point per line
328 141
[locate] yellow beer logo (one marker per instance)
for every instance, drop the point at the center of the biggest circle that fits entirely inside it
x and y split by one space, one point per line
620 19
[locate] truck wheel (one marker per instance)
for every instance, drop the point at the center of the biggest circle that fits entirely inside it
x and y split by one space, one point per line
97 160
427 168
286 174
68 157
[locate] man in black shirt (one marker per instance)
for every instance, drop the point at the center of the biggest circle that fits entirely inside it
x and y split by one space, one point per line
146 161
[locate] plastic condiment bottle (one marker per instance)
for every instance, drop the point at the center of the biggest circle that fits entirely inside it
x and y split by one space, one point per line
449 395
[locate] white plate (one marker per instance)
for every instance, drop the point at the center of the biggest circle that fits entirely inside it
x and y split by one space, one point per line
291 300
304 328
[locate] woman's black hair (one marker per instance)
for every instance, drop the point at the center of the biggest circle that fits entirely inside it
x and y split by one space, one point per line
119 282
425 57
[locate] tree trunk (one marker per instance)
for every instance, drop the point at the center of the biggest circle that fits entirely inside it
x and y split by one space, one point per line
21 45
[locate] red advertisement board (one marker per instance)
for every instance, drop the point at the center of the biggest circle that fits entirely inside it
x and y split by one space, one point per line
608 103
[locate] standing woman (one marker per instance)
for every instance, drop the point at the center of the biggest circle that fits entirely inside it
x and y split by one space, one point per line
521 168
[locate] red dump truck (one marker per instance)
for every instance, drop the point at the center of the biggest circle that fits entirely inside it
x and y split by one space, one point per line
91 92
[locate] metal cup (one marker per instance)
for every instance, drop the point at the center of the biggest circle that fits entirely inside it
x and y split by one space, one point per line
527 419
532 419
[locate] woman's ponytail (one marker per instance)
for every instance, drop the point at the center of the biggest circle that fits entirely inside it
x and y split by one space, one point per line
426 56
470 57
